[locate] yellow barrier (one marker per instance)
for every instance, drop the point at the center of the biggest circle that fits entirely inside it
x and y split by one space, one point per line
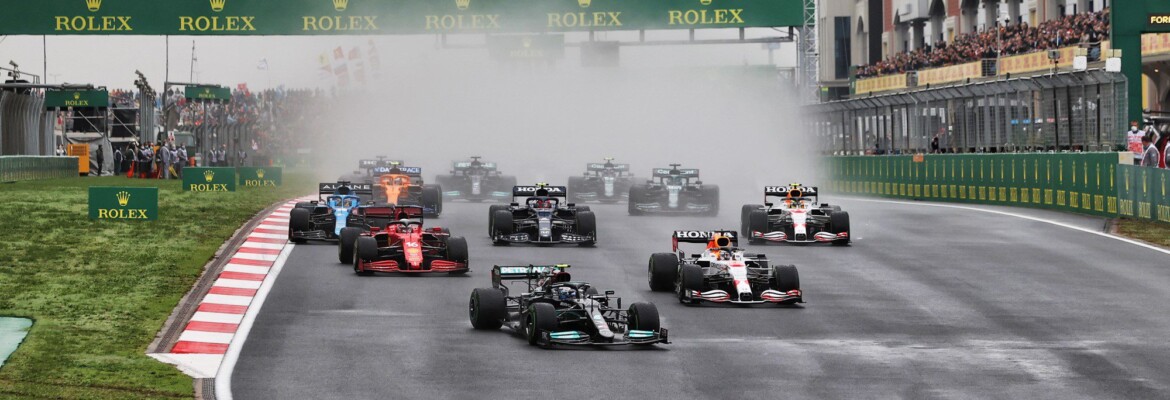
949 74
880 84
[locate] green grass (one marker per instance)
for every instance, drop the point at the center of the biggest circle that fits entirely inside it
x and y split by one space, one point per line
1149 231
99 291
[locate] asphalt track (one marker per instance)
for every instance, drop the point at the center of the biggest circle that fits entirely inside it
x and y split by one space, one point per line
928 302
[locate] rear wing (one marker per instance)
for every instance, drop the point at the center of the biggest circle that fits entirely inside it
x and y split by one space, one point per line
597 167
529 191
685 173
368 164
790 191
392 212
409 171
502 273
702 237
462 165
344 188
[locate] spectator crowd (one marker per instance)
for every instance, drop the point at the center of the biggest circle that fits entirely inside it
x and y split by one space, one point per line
1071 30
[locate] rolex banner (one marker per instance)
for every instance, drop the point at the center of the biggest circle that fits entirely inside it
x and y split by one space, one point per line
200 179
128 203
260 176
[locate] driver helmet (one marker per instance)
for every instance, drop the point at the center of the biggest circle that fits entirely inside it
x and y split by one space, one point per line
405 224
724 254
565 293
544 204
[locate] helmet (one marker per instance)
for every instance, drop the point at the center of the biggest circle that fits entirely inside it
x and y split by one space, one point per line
566 293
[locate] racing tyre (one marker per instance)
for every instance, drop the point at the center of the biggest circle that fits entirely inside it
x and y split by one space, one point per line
582 208
501 225
643 317
305 204
745 219
576 184
432 196
662 272
785 278
457 251
487 308
757 221
298 221
349 237
365 249
587 225
492 218
542 317
635 197
711 195
690 278
839 223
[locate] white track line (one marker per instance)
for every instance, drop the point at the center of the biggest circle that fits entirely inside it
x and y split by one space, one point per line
223 378
1027 217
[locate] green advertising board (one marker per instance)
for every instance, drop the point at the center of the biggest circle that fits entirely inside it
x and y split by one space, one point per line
77 98
260 176
123 203
209 179
208 93
373 17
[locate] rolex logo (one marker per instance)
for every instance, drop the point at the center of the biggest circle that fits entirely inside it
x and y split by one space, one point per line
526 42
584 3
209 175
462 4
340 5
260 173
93 5
207 91
705 2
76 95
217 5
123 198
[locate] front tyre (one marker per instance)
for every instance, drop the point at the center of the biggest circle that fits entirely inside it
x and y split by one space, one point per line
542 317
345 244
839 223
745 218
690 280
643 317
457 252
487 308
587 226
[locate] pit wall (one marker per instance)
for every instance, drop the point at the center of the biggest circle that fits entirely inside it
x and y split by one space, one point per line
1104 184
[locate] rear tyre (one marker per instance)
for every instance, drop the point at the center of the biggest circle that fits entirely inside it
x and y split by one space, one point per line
365 250
432 196
785 278
711 196
643 317
542 317
582 208
457 252
298 221
587 225
757 222
345 244
839 223
745 218
690 279
487 308
662 271
502 225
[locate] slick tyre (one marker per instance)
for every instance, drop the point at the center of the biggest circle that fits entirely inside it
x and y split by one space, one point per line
662 271
487 308
587 225
365 250
757 222
345 244
298 221
457 252
502 225
745 219
542 317
643 317
785 278
839 223
690 279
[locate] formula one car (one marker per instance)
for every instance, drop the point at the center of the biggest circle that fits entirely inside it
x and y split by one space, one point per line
395 241
555 310
798 218
722 273
674 191
605 182
364 173
324 218
404 185
541 219
476 181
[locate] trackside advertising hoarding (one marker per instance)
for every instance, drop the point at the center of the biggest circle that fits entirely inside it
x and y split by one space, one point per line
209 179
123 203
260 176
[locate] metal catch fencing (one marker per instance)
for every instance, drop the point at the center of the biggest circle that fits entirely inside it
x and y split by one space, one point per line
25 127
1069 111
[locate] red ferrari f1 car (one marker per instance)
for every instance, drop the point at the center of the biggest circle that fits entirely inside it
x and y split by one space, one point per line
397 242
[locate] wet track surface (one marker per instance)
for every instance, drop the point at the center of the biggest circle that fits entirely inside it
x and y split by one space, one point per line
928 302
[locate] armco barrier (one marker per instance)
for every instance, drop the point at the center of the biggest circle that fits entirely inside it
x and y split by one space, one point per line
24 168
1075 182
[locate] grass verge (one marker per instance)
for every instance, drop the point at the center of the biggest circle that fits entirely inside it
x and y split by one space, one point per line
99 291
1149 231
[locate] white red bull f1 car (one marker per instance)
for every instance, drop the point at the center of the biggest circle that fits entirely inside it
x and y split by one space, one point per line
792 214
722 273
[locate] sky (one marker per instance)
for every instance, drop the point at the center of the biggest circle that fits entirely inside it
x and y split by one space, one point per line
293 61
